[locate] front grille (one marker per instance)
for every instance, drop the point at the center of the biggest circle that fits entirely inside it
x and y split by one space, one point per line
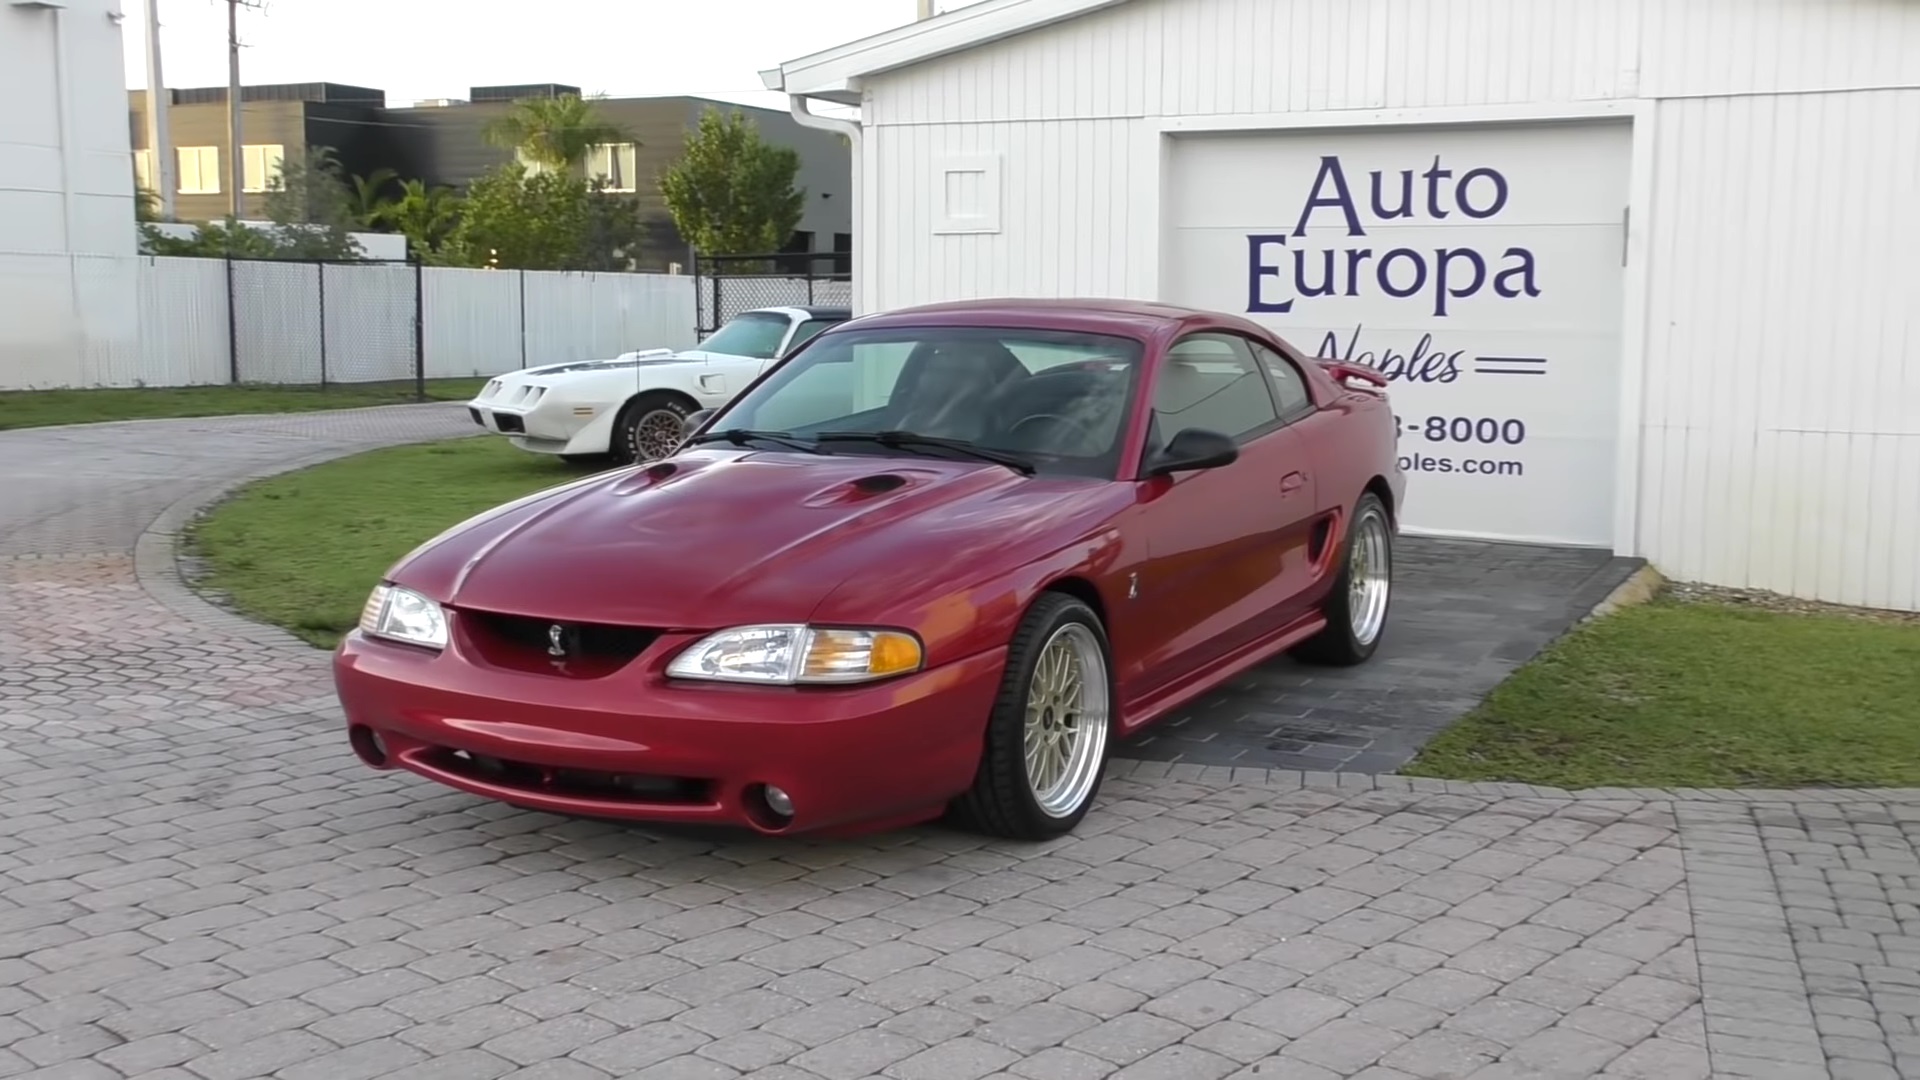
477 418
511 424
576 783
522 643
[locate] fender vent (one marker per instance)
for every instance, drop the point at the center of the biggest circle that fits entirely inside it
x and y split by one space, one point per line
1317 540
660 470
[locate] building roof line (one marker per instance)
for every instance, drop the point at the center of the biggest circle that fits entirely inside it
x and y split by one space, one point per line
833 73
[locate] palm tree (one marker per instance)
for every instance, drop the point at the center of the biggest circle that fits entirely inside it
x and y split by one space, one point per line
554 132
367 195
425 216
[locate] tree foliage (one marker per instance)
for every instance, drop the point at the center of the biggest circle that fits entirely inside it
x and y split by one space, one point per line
426 216
311 204
534 220
554 133
731 193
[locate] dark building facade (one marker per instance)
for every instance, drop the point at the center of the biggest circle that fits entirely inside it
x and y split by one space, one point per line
444 143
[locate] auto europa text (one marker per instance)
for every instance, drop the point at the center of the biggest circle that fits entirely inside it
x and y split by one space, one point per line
1440 276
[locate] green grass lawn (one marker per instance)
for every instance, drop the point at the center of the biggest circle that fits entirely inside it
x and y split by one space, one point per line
1674 693
1701 694
42 408
301 550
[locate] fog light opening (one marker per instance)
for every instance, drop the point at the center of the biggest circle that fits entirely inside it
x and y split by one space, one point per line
368 744
769 808
778 801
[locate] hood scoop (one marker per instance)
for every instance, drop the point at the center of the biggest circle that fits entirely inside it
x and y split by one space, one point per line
861 489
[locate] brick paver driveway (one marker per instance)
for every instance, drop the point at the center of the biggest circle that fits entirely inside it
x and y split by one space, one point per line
198 881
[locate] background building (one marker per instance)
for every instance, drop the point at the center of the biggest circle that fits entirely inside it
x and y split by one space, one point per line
1643 274
443 142
68 301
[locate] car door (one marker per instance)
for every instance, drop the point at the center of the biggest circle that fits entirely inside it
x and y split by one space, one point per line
1219 542
1303 568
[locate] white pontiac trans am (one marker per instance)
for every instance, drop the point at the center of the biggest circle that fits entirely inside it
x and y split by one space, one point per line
633 408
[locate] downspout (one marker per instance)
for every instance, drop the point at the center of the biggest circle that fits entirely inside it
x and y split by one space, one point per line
852 130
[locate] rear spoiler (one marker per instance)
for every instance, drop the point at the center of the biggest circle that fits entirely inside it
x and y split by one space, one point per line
1348 374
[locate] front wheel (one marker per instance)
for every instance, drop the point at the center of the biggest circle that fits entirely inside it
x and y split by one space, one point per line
1356 610
1046 744
650 428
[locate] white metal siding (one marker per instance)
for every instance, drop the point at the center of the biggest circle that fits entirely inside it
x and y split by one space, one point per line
1781 437
1781 441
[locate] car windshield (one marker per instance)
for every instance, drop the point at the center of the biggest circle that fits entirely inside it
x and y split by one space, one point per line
1054 400
755 334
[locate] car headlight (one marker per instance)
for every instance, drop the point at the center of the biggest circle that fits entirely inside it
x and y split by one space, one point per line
399 614
785 655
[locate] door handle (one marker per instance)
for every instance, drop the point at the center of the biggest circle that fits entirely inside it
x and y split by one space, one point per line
1293 481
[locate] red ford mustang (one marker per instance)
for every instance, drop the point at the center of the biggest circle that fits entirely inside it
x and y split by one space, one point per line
936 560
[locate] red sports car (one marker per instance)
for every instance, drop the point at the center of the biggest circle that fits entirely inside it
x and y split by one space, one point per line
938 559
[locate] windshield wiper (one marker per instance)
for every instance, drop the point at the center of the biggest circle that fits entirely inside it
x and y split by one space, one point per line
909 440
743 436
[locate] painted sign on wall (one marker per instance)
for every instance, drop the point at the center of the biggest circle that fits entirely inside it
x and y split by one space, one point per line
1479 270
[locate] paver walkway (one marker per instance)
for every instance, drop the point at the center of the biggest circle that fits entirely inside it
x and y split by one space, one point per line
198 882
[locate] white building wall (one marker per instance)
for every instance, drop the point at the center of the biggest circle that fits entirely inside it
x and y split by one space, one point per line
1779 248
69 307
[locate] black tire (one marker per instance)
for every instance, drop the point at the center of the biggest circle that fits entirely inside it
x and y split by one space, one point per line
635 417
1339 645
1002 801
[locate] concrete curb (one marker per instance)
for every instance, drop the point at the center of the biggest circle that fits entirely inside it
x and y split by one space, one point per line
156 554
1643 586
1160 773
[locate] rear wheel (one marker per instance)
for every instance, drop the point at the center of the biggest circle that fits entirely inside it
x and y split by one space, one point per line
1046 745
650 427
1356 610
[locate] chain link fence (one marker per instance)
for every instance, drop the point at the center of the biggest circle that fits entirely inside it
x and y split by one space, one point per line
321 324
727 285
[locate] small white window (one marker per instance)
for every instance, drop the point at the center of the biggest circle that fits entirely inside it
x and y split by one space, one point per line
617 163
260 166
199 170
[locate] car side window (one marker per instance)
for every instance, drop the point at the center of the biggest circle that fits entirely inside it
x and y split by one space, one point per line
806 330
1212 381
1289 385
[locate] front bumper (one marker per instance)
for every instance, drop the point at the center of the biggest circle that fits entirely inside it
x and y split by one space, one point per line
637 746
538 420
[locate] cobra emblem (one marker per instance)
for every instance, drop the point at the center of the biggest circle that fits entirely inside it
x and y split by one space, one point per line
554 645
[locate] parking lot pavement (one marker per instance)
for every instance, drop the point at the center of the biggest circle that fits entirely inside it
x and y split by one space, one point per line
199 882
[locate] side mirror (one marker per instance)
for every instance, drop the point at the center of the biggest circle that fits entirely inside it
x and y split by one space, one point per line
1194 448
693 421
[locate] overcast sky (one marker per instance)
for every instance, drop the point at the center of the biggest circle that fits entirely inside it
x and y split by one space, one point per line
418 49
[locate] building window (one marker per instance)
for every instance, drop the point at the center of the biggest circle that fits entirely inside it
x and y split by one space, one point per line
616 162
199 170
260 166
534 168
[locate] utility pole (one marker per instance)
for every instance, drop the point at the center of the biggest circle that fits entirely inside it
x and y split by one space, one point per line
238 165
159 138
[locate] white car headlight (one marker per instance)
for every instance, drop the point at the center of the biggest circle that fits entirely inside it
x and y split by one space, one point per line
399 614
785 655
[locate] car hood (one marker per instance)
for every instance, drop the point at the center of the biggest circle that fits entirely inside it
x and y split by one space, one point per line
623 362
719 537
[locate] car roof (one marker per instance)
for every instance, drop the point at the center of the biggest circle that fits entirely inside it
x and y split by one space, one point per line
1098 315
805 311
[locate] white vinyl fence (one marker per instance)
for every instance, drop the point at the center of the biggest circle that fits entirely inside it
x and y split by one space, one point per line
164 321
205 321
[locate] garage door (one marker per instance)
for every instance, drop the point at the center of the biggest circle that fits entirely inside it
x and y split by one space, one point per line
1479 268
